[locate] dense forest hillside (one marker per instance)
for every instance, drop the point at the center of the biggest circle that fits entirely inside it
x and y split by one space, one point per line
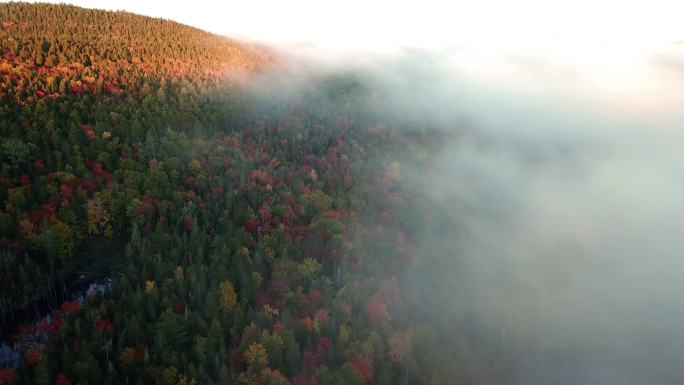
248 239
80 89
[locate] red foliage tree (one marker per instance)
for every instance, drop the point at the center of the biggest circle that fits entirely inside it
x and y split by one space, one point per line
315 296
188 223
70 307
104 326
62 379
364 367
66 193
39 166
32 356
179 308
51 327
322 316
265 214
251 224
313 359
8 377
377 311
259 177
140 352
308 323
279 327
25 180
277 287
75 346
49 210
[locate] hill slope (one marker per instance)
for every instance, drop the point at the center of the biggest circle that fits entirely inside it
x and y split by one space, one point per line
251 240
79 90
50 35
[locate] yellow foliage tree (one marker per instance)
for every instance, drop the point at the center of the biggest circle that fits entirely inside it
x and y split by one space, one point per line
273 376
399 345
149 287
227 296
309 268
169 376
183 380
256 355
195 166
127 356
97 217
343 335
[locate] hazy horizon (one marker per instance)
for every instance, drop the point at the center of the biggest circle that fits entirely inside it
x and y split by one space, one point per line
381 26
597 45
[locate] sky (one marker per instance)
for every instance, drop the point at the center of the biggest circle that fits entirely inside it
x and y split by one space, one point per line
383 25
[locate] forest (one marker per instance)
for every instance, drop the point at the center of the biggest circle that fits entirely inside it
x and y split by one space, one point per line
249 238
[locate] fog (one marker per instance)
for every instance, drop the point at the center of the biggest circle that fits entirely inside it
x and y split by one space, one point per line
561 196
567 217
568 253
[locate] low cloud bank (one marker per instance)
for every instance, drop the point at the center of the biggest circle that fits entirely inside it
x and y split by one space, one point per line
561 195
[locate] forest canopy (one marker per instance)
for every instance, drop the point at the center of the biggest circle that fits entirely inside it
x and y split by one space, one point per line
250 239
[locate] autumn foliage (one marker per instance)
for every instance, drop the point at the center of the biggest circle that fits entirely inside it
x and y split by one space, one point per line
249 239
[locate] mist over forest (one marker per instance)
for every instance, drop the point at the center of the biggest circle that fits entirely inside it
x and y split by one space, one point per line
560 213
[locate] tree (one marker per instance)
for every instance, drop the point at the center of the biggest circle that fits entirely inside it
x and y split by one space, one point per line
98 221
62 379
169 376
42 372
15 151
293 361
364 367
310 268
227 297
256 356
58 240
